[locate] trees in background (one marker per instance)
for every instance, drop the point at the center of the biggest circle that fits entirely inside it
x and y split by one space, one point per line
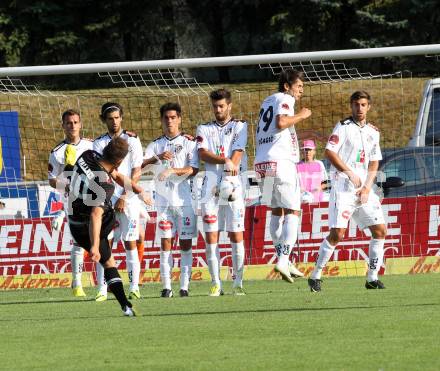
55 32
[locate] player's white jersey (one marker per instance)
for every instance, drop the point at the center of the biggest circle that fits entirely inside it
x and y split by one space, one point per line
222 140
133 159
356 146
57 156
175 190
271 142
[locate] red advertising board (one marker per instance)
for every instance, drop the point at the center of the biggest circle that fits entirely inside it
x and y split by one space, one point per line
30 247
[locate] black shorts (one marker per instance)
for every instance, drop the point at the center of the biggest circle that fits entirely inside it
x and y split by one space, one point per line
81 235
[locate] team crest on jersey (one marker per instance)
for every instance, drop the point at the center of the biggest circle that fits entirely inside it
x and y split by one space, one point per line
346 214
334 139
199 139
210 219
228 131
177 148
285 106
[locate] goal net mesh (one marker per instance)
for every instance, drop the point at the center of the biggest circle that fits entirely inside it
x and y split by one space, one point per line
32 255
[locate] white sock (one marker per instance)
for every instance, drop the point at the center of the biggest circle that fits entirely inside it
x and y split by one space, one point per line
375 253
213 258
166 262
237 263
185 268
102 284
77 263
276 227
288 237
133 268
324 255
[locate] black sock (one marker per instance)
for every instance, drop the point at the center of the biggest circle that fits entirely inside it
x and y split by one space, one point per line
114 283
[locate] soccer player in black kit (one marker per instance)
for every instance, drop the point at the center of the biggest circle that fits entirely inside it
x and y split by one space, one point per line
91 215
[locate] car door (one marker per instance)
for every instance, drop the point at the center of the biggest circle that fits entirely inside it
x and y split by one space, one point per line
409 168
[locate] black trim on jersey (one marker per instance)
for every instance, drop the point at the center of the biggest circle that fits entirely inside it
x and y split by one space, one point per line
103 135
347 121
58 146
158 138
171 139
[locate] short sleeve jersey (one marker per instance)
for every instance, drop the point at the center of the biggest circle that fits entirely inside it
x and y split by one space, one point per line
133 159
176 190
91 186
57 156
222 140
272 143
356 146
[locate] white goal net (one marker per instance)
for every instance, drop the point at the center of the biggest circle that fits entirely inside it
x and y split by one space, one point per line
32 255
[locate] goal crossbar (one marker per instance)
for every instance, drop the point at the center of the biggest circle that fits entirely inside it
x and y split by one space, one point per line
395 51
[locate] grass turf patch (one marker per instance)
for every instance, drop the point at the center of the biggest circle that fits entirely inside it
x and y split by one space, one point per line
276 325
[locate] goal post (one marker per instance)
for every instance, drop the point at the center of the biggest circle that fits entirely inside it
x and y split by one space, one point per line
32 100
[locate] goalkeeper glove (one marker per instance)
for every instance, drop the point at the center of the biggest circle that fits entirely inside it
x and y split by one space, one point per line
58 220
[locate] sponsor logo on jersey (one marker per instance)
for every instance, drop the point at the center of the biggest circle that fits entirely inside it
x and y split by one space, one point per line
360 156
210 219
264 169
285 106
165 225
220 151
334 139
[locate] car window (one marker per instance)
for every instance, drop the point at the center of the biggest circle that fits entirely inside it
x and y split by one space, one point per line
432 135
403 167
433 166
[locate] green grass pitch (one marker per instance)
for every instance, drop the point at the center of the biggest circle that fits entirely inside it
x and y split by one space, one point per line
277 326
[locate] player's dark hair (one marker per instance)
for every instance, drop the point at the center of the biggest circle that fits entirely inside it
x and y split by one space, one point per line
360 94
289 77
70 112
110 107
170 106
115 151
220 94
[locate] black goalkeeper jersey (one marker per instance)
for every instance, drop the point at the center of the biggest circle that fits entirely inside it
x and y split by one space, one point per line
90 186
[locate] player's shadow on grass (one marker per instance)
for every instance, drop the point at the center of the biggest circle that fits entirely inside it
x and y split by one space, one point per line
208 313
226 312
56 301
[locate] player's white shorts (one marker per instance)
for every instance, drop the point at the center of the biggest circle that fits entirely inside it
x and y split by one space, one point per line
180 219
219 214
346 205
127 223
279 184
